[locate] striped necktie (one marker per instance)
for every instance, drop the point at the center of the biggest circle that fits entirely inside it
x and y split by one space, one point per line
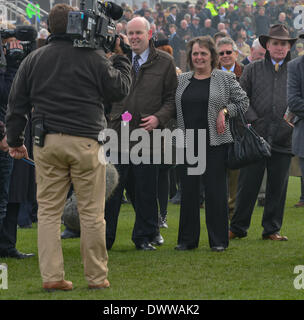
136 63
276 67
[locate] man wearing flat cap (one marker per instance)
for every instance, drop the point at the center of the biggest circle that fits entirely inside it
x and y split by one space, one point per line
265 82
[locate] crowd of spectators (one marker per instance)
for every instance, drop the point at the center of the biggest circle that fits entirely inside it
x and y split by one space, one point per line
237 19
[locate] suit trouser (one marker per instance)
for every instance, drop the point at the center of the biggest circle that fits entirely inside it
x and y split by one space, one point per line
215 182
7 223
302 178
233 176
250 181
144 179
8 233
64 160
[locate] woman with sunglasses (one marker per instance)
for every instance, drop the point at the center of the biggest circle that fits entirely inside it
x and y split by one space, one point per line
205 99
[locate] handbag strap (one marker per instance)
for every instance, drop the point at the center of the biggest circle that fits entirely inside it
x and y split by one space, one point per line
243 118
233 127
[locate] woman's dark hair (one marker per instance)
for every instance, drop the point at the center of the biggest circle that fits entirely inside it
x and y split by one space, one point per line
206 42
58 18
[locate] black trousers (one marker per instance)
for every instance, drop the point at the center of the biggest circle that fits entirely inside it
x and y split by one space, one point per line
163 186
140 182
8 229
249 184
216 203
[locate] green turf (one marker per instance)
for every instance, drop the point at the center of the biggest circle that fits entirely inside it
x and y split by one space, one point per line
251 268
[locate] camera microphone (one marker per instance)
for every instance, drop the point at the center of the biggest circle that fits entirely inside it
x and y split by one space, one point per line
115 11
26 33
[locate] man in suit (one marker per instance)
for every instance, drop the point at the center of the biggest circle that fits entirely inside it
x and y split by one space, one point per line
295 96
265 82
171 19
151 102
174 42
228 55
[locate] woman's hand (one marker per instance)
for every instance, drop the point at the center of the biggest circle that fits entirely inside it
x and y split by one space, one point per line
220 123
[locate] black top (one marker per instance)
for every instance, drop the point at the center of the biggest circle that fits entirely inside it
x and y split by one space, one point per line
195 104
195 100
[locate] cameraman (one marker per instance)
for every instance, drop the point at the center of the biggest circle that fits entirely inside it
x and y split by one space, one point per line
67 87
8 220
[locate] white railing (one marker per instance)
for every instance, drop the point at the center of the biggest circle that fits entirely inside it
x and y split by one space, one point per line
12 8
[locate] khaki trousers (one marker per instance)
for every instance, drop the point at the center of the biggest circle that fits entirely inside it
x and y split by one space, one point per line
64 160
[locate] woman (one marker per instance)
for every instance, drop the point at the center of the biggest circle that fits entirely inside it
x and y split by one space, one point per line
161 24
205 99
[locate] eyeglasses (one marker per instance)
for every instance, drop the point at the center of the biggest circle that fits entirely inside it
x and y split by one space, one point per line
228 52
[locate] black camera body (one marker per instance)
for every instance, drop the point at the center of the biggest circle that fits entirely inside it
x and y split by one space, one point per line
26 35
94 25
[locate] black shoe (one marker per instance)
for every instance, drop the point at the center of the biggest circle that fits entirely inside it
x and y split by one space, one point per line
27 226
146 246
218 249
14 253
158 240
183 247
69 234
177 198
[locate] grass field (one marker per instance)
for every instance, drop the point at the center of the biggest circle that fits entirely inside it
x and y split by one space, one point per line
251 268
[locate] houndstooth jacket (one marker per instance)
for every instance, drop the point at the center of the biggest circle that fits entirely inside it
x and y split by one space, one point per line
225 92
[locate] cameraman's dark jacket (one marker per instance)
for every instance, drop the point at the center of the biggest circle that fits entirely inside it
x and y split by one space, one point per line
67 87
6 79
267 91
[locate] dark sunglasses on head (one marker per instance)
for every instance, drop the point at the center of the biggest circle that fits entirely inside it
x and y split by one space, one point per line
228 52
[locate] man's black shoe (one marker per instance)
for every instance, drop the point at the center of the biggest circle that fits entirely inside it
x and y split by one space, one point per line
16 254
145 247
158 240
177 198
26 226
184 247
69 234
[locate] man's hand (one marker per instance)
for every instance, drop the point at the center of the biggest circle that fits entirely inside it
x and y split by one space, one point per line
117 48
18 152
220 123
3 145
149 123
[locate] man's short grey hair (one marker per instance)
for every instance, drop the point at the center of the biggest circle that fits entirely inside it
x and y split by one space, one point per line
227 40
144 20
256 44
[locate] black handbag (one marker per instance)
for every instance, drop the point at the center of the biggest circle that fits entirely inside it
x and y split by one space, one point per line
246 148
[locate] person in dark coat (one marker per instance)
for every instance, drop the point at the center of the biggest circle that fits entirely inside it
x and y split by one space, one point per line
295 95
8 220
265 82
195 28
262 22
175 43
22 194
